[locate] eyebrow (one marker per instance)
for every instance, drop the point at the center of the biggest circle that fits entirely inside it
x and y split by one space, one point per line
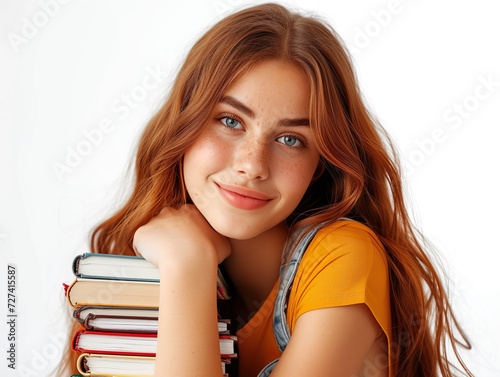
251 114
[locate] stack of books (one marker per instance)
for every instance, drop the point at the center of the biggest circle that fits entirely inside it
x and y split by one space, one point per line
115 300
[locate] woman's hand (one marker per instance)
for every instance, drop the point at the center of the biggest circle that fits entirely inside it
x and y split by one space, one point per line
179 234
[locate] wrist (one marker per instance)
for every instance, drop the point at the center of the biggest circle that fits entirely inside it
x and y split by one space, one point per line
189 278
188 263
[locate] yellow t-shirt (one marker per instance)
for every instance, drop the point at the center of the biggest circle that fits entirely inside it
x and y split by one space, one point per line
344 264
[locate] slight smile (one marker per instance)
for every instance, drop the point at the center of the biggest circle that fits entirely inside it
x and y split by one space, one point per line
243 198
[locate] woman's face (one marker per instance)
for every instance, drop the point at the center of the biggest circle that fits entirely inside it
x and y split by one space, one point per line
252 164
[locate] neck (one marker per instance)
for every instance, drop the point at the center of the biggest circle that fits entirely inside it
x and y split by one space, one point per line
254 264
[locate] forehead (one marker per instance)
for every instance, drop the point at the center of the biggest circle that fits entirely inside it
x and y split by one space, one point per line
273 87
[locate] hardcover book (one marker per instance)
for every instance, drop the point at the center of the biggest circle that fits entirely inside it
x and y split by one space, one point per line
115 299
133 344
122 366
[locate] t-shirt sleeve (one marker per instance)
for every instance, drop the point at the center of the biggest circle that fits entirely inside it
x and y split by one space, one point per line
344 264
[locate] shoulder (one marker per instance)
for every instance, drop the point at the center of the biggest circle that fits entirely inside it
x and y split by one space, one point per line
343 272
348 243
344 264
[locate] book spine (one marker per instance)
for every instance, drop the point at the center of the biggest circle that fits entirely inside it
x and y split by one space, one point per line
74 341
76 262
68 294
76 314
81 365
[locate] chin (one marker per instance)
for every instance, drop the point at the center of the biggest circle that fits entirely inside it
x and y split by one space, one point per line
245 230
237 234
240 232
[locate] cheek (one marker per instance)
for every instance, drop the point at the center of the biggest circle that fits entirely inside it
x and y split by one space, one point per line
205 156
296 176
295 173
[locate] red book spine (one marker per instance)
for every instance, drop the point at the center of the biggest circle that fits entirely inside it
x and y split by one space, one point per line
79 333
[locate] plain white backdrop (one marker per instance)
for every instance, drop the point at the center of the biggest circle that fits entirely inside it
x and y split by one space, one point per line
80 79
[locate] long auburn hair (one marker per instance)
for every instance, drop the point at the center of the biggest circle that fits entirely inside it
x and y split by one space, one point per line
361 177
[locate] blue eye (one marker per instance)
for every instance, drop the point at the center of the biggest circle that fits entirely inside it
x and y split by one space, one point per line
290 141
232 123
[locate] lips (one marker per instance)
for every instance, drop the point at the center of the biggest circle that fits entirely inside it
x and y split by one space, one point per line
243 198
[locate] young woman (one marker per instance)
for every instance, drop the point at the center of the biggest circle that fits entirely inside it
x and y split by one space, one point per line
263 139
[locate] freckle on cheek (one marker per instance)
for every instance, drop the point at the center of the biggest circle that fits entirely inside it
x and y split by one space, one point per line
295 173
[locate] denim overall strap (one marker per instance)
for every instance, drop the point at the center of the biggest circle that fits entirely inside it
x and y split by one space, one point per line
287 274
280 326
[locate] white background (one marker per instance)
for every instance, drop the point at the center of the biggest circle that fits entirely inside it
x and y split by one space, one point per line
422 66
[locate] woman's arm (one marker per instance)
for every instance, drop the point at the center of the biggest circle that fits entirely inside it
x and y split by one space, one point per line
187 252
330 342
188 339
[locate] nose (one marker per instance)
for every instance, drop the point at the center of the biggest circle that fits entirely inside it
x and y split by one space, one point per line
251 159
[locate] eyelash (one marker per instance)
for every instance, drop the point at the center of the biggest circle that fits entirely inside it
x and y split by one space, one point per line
230 116
299 137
